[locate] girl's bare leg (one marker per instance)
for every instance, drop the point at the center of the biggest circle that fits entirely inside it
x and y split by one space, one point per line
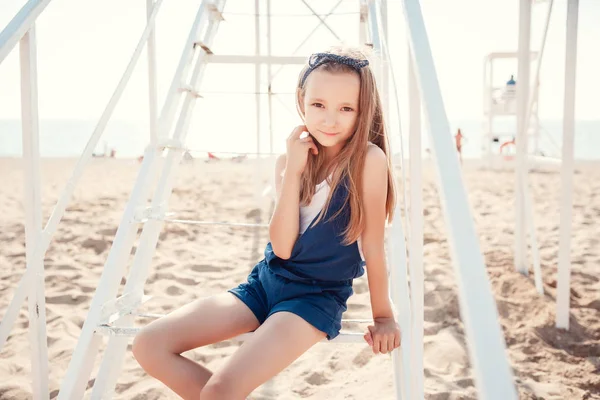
280 340
159 345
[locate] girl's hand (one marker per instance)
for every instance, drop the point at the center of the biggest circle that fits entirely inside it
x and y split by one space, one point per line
298 147
383 336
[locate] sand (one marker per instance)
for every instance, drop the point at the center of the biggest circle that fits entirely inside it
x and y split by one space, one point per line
196 261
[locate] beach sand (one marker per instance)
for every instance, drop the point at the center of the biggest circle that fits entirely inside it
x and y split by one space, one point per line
196 261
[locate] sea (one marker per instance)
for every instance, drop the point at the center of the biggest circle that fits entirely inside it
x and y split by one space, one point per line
65 138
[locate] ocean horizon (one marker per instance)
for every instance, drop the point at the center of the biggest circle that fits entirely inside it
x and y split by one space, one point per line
64 138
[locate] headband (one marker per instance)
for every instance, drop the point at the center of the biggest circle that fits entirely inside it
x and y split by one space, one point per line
319 59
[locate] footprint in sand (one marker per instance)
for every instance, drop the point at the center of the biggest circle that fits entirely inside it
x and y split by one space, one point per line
65 239
70 299
64 267
108 232
465 383
253 213
317 379
429 239
87 289
204 268
166 264
436 315
595 304
13 392
363 357
333 363
175 291
122 387
98 245
186 281
432 299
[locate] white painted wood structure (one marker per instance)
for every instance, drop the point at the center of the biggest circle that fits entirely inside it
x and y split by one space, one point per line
526 103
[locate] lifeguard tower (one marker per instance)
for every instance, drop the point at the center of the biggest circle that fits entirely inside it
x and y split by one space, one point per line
500 102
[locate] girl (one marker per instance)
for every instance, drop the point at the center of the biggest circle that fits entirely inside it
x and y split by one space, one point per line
335 189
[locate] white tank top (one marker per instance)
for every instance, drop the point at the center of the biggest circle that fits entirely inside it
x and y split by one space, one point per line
308 213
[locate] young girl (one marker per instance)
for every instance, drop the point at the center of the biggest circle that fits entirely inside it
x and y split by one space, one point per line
335 190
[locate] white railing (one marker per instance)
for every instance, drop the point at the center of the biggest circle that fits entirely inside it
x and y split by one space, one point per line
20 25
396 239
22 28
478 309
563 289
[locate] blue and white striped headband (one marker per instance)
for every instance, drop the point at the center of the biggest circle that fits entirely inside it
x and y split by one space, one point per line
319 59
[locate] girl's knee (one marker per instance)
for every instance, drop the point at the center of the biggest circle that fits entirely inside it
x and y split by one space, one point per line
144 347
220 388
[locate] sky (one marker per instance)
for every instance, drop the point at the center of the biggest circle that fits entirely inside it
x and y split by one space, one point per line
84 47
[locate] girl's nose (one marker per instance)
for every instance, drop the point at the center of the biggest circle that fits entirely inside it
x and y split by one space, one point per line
330 119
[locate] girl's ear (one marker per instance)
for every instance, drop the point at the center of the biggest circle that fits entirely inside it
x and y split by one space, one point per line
300 99
302 107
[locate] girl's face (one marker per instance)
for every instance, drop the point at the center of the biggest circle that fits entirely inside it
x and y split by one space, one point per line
330 107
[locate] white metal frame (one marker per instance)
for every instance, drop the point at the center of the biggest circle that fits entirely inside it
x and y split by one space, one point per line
563 292
526 112
396 240
22 28
523 198
494 380
199 39
33 213
19 25
416 267
521 139
478 309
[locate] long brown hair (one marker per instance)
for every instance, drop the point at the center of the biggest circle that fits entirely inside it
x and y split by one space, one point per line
347 167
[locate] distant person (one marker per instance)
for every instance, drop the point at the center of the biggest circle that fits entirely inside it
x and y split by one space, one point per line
458 139
511 88
187 157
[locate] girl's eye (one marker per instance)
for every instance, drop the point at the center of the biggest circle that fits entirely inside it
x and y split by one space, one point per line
318 105
347 109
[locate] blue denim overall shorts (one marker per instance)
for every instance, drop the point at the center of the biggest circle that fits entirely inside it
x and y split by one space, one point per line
316 281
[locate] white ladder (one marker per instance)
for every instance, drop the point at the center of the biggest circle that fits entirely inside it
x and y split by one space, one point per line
104 305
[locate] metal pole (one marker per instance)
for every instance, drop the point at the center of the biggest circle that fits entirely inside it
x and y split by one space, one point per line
416 232
153 97
522 138
362 23
19 25
257 70
490 118
487 348
566 208
532 106
385 81
269 79
33 214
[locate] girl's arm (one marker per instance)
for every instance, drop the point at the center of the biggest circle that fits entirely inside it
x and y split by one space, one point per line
374 197
384 335
285 223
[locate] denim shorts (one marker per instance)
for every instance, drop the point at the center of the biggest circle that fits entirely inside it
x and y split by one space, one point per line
320 304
